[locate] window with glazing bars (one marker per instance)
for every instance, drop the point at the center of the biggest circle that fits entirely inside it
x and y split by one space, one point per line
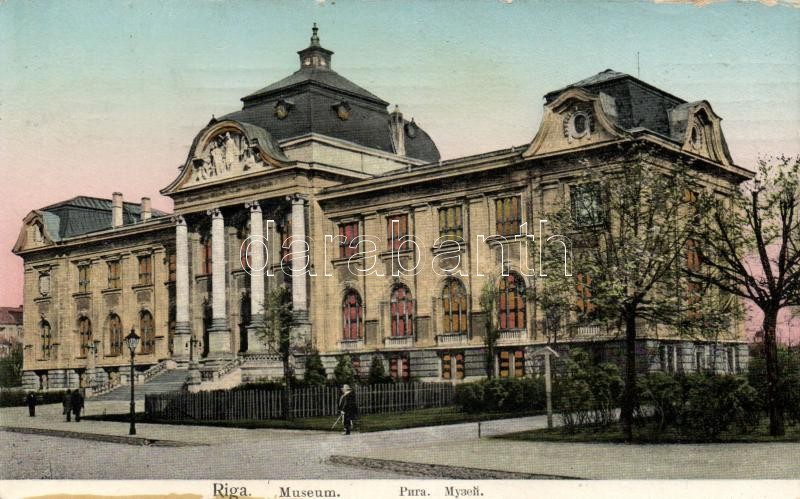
511 302
352 316
114 280
348 232
83 278
402 311
508 216
145 269
451 226
454 307
396 230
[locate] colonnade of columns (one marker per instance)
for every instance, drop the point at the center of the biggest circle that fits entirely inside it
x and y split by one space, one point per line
219 341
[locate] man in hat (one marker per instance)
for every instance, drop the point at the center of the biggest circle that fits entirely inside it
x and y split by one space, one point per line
348 407
30 399
66 403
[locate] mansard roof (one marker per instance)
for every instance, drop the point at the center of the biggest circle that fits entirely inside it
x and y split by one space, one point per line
85 214
311 99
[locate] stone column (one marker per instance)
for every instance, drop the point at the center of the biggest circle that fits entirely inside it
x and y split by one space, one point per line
219 341
300 270
299 273
255 247
183 323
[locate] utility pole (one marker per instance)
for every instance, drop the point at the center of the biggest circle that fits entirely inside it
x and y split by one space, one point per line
548 382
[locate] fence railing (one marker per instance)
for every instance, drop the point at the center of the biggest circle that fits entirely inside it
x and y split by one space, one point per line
305 402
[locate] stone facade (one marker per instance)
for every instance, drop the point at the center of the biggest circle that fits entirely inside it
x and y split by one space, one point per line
261 201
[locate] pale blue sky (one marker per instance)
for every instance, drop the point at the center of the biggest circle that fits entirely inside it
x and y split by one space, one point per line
104 96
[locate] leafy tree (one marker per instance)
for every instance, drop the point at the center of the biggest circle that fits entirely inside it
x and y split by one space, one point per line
344 372
377 372
315 371
277 332
11 368
752 246
629 227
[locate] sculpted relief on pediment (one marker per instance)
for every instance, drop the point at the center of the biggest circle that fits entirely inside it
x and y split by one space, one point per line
226 155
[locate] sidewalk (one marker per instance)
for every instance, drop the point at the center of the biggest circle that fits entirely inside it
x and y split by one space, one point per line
272 453
608 461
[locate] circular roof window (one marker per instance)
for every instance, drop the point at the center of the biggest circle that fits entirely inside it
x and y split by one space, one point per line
578 125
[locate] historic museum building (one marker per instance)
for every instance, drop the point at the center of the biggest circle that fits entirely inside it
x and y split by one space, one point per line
315 184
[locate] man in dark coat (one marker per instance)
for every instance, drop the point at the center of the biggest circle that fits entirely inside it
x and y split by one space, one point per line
348 407
30 399
77 405
66 403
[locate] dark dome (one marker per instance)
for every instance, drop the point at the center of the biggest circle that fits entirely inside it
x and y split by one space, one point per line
316 99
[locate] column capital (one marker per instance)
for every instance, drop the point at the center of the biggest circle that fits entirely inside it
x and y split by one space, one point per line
297 198
178 220
254 206
214 212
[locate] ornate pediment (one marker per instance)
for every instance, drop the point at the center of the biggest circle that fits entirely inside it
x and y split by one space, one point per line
227 150
228 154
698 127
575 119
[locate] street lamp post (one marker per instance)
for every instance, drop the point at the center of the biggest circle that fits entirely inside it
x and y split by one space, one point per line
133 341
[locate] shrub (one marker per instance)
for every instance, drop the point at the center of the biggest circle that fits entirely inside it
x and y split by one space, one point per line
16 397
501 395
664 394
587 394
315 372
344 372
714 403
377 372
469 397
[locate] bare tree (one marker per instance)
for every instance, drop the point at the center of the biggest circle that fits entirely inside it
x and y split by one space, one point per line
752 246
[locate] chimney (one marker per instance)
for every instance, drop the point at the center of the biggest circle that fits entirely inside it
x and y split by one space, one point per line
146 210
116 209
397 126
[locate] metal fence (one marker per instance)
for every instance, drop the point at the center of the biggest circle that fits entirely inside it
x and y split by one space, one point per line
305 402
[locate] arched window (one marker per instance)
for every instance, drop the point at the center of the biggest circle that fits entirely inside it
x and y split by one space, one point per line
402 310
85 330
115 334
454 307
352 316
511 302
148 333
44 333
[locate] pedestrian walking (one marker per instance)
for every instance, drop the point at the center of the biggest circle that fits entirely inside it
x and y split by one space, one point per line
66 403
77 405
348 408
30 399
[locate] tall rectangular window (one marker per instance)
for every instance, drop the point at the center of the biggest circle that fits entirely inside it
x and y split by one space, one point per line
508 216
451 226
348 232
145 270
172 262
396 230
206 263
586 205
83 278
114 280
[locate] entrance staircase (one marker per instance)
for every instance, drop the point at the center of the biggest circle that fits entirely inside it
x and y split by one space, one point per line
166 381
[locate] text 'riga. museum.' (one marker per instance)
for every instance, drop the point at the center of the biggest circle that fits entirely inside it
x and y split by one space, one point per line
319 155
